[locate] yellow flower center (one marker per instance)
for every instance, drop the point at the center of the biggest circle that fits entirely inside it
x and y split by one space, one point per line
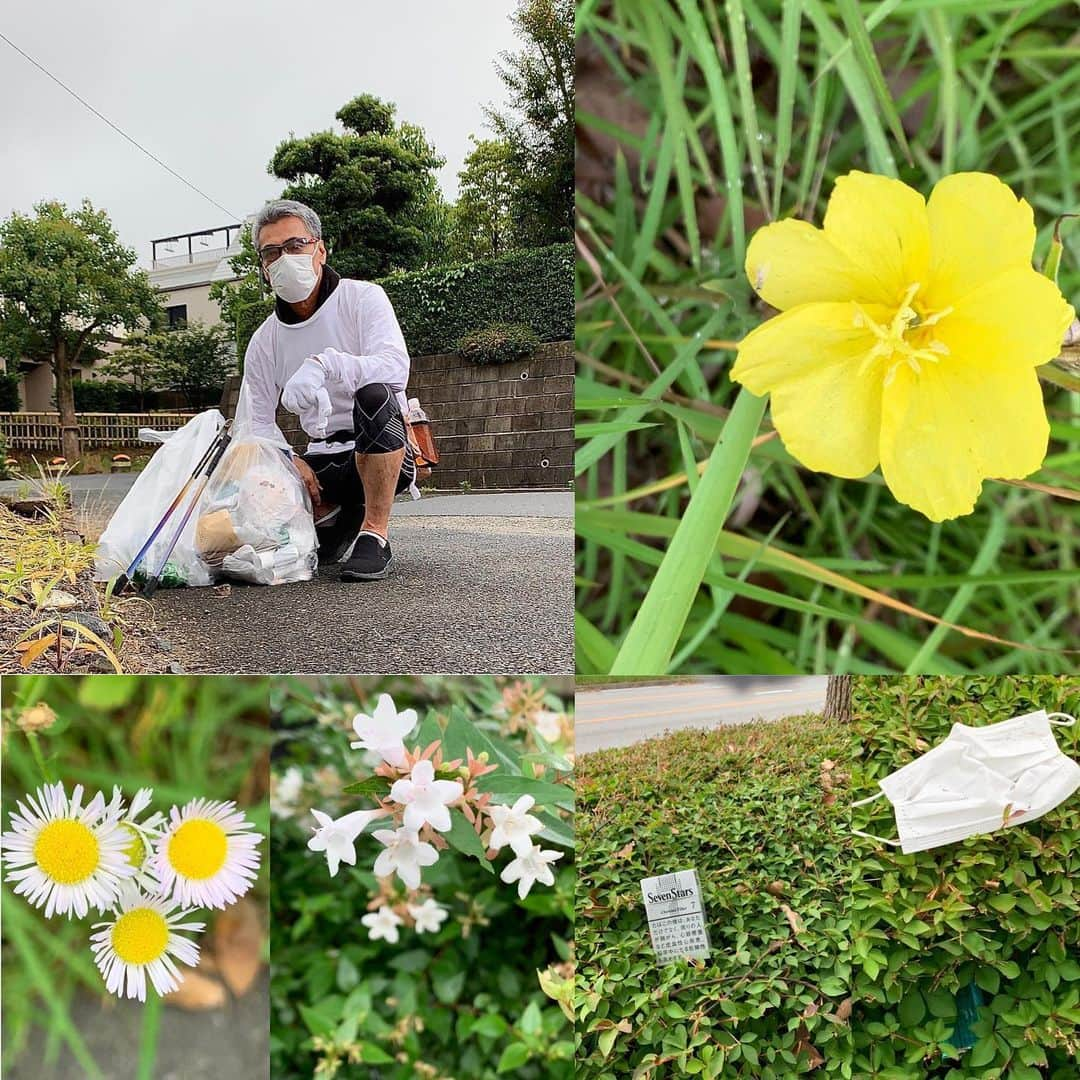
135 852
66 851
907 339
140 936
197 849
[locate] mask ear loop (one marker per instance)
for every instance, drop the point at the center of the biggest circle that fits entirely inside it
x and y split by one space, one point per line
871 836
1061 723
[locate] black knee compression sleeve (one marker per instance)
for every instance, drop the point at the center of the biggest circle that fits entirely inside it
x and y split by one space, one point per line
377 420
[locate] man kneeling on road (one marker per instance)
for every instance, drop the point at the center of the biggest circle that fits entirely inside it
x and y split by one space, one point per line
334 352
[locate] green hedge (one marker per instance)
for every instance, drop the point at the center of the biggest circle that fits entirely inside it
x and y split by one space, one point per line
759 811
1002 909
437 308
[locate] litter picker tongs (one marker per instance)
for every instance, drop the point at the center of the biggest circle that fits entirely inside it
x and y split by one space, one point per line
199 477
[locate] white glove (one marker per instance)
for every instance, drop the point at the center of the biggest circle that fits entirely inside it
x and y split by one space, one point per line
315 420
301 391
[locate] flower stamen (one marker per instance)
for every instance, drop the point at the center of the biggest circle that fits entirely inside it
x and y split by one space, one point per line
892 342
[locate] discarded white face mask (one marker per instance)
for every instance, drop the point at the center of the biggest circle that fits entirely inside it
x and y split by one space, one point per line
292 277
977 781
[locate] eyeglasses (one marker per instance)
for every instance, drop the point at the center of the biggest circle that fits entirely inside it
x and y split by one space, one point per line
295 245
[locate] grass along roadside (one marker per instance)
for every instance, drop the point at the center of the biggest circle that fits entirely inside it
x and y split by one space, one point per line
56 618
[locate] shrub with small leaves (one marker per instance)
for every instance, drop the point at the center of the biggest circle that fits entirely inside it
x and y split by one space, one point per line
759 811
498 344
994 918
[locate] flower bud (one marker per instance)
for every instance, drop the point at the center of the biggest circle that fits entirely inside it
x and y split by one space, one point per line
37 718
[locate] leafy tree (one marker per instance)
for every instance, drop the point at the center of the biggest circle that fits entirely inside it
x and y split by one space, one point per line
539 124
193 360
482 222
373 187
246 302
65 282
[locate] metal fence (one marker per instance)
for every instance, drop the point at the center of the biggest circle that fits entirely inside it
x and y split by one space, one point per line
41 431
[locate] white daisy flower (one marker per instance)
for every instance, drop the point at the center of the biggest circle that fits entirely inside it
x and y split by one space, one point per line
206 856
142 835
140 939
428 916
384 732
63 856
383 924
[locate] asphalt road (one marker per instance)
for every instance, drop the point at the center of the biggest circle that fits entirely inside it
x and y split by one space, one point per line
467 594
483 582
232 1041
605 718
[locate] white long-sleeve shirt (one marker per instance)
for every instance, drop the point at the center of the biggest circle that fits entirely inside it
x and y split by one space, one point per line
354 331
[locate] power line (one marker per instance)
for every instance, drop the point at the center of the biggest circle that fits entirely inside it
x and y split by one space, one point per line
120 131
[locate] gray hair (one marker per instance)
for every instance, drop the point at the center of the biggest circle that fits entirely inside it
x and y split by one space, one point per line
277 209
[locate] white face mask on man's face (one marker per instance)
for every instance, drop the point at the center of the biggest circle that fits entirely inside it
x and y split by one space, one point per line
292 277
979 780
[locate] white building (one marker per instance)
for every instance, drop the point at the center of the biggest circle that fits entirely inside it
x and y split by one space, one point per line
182 270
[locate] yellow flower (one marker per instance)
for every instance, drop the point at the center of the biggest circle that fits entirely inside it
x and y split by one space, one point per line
910 334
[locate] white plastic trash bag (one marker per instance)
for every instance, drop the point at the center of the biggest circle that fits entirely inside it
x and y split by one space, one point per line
145 504
255 521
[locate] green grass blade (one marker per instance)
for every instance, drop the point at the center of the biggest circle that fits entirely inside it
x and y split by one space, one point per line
863 48
655 632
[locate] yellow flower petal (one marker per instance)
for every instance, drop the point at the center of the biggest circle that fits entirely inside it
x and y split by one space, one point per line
826 409
791 262
955 424
1018 319
978 230
881 225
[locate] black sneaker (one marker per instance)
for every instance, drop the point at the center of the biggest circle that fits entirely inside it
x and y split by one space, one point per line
336 537
369 561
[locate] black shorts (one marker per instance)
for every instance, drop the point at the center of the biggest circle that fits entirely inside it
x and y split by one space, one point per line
341 482
378 428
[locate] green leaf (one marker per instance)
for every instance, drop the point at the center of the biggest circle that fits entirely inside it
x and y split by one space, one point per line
463 837
490 1026
513 787
374 785
912 1009
513 1057
107 692
531 1021
606 1040
983 1052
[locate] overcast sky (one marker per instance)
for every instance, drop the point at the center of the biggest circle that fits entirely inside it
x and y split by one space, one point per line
212 86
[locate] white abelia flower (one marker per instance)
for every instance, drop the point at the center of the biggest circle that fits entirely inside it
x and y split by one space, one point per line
383 924
514 825
426 799
338 838
383 732
548 725
429 916
530 868
285 790
405 854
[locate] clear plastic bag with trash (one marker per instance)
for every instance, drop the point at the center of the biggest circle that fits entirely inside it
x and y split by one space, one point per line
253 521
